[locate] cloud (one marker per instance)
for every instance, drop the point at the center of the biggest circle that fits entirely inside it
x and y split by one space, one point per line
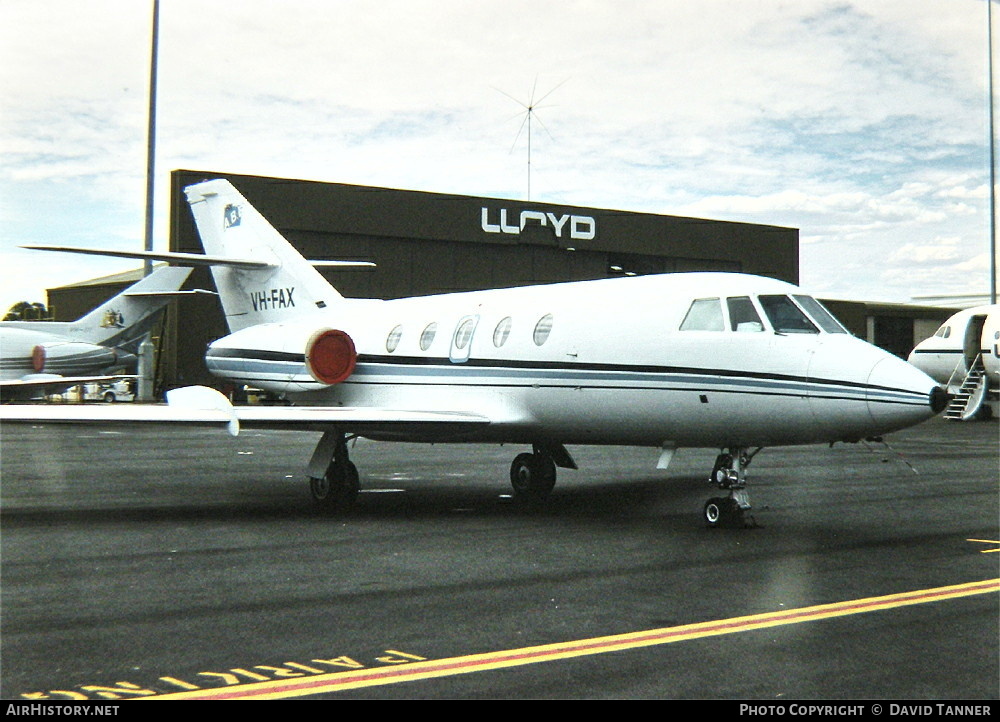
943 251
861 123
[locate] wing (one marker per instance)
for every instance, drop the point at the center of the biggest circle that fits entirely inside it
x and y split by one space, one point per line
202 406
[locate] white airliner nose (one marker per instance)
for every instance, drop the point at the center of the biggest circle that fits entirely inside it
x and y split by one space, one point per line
900 395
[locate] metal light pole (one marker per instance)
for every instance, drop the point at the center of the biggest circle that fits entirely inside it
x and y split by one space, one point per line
993 183
146 348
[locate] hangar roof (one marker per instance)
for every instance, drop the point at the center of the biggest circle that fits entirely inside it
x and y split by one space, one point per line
330 213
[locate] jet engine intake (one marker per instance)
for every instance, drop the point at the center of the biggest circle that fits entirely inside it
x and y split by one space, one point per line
330 356
72 357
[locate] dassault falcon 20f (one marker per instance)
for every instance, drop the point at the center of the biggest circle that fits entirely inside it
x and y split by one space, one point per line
726 361
47 357
964 356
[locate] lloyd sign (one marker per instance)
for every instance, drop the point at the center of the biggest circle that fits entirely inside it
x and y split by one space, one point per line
563 226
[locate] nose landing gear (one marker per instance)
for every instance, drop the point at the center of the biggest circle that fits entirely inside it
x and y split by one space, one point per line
729 474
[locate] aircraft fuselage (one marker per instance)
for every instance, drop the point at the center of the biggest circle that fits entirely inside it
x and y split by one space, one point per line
27 351
949 354
597 362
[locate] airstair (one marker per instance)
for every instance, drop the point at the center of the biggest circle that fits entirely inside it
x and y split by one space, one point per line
971 392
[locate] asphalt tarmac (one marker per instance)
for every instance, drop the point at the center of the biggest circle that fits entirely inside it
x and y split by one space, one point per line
189 563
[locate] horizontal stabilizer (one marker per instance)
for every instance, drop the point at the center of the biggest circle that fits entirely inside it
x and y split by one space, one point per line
194 259
169 294
341 264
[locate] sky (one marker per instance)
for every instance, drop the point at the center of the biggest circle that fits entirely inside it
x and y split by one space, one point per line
863 123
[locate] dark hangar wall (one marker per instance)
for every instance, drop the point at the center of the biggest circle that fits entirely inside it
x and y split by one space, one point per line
427 243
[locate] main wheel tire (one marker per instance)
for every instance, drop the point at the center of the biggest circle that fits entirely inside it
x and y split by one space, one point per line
338 489
533 476
723 512
714 512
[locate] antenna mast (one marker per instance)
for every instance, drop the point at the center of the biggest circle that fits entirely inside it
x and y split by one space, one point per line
529 113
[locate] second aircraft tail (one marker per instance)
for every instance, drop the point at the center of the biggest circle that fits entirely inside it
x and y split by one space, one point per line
122 320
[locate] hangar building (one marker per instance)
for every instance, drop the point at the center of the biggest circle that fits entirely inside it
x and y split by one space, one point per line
425 243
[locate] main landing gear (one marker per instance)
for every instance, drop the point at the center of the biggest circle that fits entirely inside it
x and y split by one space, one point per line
333 478
533 475
334 484
729 474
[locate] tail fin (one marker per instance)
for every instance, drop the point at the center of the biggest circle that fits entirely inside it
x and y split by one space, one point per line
230 227
124 319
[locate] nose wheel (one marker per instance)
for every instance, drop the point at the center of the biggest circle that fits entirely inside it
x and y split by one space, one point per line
729 474
724 512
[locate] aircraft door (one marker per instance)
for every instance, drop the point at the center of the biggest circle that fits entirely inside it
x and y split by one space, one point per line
991 346
461 339
974 343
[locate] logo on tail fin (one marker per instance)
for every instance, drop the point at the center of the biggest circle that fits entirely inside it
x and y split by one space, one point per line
232 216
112 319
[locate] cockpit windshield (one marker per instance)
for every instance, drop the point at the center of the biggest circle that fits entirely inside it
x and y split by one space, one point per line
804 314
785 316
742 314
705 314
820 315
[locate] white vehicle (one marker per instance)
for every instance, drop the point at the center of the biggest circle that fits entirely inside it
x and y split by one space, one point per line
726 361
964 356
109 391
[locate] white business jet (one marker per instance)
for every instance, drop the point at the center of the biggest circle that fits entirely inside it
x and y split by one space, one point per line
726 361
45 357
964 356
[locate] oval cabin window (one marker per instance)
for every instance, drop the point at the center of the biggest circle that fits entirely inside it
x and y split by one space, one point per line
501 332
427 337
464 333
542 329
392 341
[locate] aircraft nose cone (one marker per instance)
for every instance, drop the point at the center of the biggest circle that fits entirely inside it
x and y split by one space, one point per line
900 395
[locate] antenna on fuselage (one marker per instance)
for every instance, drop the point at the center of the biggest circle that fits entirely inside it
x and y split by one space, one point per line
529 114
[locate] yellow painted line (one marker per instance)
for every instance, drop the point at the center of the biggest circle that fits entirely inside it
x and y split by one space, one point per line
338 681
986 541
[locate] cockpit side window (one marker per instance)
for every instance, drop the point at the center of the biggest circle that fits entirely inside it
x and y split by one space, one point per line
785 316
943 332
820 315
742 314
705 314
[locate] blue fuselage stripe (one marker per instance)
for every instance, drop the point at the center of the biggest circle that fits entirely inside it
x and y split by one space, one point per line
481 372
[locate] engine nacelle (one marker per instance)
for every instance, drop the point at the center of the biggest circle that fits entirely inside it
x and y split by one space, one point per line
72 358
284 357
330 356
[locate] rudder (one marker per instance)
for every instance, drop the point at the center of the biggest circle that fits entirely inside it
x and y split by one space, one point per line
230 227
